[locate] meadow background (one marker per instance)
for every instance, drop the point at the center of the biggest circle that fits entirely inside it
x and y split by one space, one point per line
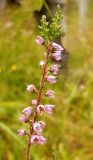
70 129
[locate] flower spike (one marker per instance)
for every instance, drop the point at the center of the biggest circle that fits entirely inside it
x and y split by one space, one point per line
32 115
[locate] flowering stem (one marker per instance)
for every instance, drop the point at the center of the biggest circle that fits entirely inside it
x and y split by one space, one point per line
53 50
38 101
28 145
42 80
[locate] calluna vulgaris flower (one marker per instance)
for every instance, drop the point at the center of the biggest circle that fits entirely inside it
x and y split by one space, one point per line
34 102
41 64
32 113
38 139
31 88
39 40
38 126
24 118
40 109
57 56
51 79
50 93
27 111
57 47
21 132
57 51
48 108
54 69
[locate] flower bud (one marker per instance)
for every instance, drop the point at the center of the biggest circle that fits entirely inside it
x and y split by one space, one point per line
38 139
57 47
54 69
31 88
56 56
39 40
21 132
27 111
24 118
34 102
41 64
50 93
42 123
40 109
48 108
51 79
38 126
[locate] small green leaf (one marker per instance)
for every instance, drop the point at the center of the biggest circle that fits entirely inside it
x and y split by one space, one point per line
50 31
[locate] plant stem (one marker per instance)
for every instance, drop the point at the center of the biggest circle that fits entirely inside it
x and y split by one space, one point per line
42 81
29 144
38 101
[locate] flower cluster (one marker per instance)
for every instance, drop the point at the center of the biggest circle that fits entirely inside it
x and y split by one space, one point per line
33 113
30 114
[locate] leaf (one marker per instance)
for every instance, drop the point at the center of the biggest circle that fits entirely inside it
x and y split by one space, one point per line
37 4
12 134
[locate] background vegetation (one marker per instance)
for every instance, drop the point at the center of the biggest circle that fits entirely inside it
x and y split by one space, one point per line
70 129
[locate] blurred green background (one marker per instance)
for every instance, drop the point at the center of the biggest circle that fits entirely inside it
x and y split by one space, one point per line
70 130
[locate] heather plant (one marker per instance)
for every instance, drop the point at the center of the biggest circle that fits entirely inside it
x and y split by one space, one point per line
32 114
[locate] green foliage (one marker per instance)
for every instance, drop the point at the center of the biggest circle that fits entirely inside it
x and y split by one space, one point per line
44 29
8 131
61 153
56 154
55 26
50 32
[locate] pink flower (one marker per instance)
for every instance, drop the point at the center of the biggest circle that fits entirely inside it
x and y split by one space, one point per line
27 111
54 68
34 102
38 139
48 108
31 88
42 124
57 47
57 52
50 93
38 126
41 64
56 56
40 109
51 79
21 132
39 40
24 118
